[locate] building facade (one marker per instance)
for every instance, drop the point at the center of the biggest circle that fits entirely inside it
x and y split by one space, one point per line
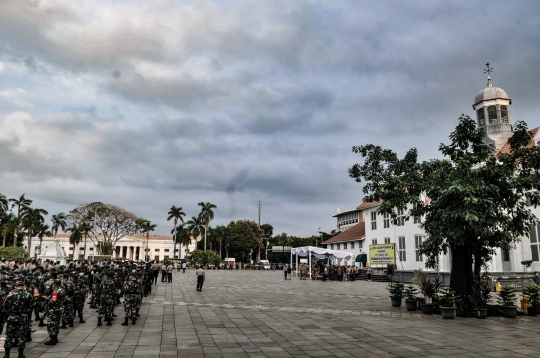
131 247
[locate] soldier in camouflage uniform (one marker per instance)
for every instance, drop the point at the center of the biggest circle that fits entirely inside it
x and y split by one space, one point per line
96 289
38 301
4 290
80 295
140 289
107 299
31 289
18 305
69 289
54 311
130 299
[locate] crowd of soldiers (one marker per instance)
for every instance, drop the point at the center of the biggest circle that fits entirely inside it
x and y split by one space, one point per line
57 294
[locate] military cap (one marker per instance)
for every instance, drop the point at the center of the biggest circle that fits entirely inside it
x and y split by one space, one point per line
36 274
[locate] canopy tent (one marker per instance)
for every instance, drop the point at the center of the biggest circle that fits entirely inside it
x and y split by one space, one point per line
361 258
319 253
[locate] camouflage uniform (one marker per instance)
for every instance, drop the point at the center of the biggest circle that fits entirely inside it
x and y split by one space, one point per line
96 290
80 296
131 296
54 311
107 299
18 305
4 290
69 289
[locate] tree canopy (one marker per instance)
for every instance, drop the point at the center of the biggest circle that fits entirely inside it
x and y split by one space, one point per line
478 199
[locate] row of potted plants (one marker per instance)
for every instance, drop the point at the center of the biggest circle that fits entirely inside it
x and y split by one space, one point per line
446 300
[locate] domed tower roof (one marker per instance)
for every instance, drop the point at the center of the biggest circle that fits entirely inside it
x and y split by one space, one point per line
490 93
54 253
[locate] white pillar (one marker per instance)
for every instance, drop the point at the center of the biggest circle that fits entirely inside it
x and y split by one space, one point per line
297 265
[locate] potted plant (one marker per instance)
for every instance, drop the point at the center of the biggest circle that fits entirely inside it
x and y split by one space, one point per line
428 290
507 300
481 296
410 299
527 264
396 293
532 292
419 277
447 302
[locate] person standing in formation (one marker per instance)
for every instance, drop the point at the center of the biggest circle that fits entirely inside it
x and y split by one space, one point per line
155 270
130 299
169 273
54 311
200 277
19 304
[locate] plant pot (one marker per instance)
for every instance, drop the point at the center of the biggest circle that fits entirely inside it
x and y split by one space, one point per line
411 305
396 302
420 301
448 312
509 311
481 312
532 311
427 308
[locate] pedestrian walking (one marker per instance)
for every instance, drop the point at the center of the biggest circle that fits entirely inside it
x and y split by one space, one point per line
369 272
200 277
169 273
183 267
155 270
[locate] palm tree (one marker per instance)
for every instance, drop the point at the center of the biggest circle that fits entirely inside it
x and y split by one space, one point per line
58 222
20 203
75 238
4 205
220 235
32 220
146 226
206 215
195 226
11 225
43 230
175 213
182 237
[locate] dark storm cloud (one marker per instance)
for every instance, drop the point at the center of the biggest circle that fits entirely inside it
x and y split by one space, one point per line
171 104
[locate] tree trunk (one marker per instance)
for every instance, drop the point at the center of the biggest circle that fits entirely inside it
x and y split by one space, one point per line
3 240
477 263
220 241
461 276
15 238
84 258
174 242
29 243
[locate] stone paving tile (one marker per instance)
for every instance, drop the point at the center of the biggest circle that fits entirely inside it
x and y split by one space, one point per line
258 314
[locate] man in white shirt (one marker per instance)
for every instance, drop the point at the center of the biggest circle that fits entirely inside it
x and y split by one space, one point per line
200 277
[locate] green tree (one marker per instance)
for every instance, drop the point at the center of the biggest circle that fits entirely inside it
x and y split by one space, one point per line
204 257
146 227
176 214
220 235
10 228
31 221
58 222
4 205
477 198
17 226
195 226
43 230
182 237
206 215
75 238
244 236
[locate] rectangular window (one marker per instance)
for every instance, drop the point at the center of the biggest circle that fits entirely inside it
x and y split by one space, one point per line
401 217
373 241
359 244
332 247
337 246
344 246
91 249
176 250
352 245
505 255
417 244
386 220
166 250
386 240
165 257
401 249
71 248
156 250
373 220
534 243
417 220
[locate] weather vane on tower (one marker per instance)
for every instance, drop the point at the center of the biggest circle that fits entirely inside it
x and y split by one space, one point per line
488 71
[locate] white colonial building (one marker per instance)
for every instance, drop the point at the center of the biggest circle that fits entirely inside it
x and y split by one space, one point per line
131 247
492 106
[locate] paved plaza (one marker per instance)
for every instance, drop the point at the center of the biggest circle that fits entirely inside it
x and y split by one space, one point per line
259 314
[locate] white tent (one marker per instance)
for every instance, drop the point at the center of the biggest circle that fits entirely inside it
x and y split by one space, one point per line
54 253
319 253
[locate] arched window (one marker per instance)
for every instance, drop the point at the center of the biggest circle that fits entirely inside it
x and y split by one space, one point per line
504 114
481 117
492 114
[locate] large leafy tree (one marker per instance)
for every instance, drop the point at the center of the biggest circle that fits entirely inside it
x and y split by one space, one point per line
58 222
206 215
477 197
175 213
182 237
75 238
195 226
21 203
220 235
244 235
106 222
4 205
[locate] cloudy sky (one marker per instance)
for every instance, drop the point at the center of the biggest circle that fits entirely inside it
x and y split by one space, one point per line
148 104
